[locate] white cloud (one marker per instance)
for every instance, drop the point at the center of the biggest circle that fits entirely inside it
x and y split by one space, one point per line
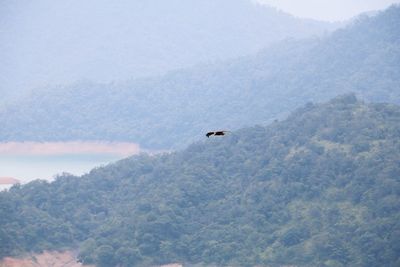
332 10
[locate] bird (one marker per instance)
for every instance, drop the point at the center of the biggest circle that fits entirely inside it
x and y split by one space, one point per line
216 133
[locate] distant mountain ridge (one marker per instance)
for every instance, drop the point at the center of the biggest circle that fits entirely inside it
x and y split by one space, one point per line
47 42
320 188
173 110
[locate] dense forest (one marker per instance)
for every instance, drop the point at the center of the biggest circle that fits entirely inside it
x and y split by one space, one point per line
170 111
320 188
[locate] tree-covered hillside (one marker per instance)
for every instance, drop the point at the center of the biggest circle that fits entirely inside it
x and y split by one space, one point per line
170 111
320 188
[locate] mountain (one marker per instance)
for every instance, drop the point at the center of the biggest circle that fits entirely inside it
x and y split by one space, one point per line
173 110
47 42
320 188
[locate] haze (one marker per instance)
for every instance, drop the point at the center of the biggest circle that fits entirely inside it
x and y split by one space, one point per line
65 148
45 43
328 10
111 146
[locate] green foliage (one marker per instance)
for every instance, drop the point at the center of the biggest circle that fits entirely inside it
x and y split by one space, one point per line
321 188
176 109
105 256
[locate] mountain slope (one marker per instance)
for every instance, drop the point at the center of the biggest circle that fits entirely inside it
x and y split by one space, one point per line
173 110
54 42
318 189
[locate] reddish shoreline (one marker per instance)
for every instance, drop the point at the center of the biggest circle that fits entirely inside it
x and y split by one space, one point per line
8 181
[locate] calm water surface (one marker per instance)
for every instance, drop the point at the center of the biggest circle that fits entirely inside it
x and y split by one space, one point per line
27 161
30 167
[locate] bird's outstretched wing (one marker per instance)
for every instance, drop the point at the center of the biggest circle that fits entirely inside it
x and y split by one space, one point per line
220 133
216 133
209 134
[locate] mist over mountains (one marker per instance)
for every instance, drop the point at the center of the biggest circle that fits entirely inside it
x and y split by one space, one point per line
49 42
173 110
303 184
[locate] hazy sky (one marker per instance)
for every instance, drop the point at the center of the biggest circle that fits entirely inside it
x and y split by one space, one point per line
332 10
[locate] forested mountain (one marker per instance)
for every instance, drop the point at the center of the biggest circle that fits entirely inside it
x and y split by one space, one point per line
46 42
320 188
173 110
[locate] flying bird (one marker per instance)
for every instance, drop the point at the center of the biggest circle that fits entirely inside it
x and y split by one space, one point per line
217 133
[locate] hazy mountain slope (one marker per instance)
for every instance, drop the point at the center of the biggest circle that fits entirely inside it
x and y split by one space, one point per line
318 189
58 42
175 109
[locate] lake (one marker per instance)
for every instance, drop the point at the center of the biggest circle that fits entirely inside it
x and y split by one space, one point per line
27 161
